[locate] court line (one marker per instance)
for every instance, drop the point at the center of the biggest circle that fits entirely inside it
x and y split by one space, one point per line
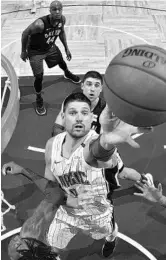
93 26
137 245
36 149
120 235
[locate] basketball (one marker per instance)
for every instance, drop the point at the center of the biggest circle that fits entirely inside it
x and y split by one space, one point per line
135 85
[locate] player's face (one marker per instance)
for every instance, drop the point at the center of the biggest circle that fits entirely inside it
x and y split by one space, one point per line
77 119
92 88
56 12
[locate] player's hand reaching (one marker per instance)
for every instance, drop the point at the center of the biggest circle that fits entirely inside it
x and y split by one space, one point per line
116 131
11 168
68 55
149 192
24 55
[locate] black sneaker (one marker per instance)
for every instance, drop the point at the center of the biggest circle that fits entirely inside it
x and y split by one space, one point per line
108 248
72 77
40 108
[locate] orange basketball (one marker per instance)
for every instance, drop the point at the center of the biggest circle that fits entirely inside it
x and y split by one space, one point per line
135 85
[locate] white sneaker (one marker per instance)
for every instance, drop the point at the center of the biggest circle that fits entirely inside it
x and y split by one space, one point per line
149 178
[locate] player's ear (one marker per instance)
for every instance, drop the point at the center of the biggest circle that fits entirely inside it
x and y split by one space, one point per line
62 115
82 85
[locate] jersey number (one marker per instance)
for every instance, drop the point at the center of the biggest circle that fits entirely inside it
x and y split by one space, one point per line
50 40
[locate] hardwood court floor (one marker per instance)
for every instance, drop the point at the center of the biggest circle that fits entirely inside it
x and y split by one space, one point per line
95 33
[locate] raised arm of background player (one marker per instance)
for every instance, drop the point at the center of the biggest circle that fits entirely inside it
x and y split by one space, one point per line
37 225
34 28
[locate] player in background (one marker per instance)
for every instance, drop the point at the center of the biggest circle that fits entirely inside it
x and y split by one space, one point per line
31 243
38 44
91 87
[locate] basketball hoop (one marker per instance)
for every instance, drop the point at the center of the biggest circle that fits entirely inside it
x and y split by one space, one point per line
9 118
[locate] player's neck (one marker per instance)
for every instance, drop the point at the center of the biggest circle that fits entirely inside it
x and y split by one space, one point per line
53 21
94 103
71 144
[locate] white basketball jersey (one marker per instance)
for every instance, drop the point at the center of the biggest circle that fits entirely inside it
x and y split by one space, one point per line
74 171
94 218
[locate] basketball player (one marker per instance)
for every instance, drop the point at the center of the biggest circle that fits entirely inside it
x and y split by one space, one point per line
31 243
38 44
90 208
151 193
91 86
76 158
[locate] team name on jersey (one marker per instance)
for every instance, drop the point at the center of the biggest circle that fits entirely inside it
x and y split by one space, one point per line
73 178
50 32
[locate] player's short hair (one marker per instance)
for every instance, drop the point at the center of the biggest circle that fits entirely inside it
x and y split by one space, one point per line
37 250
93 74
75 97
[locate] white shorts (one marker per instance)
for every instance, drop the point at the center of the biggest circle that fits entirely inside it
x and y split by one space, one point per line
64 227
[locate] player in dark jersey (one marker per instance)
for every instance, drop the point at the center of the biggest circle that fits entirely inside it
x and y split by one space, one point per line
38 44
91 87
31 243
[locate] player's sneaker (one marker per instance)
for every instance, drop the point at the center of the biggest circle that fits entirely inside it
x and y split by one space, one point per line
40 108
108 248
149 178
72 77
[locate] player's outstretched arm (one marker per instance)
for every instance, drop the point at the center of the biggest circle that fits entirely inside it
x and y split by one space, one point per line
48 188
36 27
115 132
151 193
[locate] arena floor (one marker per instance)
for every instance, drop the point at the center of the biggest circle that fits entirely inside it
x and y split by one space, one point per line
139 220
96 31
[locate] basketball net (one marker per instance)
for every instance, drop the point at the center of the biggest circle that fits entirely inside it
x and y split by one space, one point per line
9 207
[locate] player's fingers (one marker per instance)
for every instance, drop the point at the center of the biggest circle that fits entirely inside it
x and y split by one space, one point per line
132 143
160 188
138 194
139 186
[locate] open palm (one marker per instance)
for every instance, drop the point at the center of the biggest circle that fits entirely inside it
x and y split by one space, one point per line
116 131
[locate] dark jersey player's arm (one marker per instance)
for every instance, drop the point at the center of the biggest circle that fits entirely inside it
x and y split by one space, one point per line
34 28
51 189
62 35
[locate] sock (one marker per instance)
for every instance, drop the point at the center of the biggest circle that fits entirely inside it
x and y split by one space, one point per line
112 237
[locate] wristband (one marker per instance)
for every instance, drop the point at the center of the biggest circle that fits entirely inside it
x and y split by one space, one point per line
98 152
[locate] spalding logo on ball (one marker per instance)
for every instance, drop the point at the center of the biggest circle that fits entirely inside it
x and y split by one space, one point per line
135 85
